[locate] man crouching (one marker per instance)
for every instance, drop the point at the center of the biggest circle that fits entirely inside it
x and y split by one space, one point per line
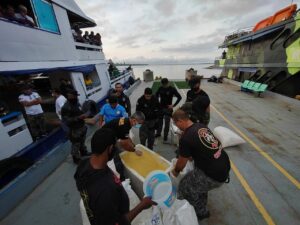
212 164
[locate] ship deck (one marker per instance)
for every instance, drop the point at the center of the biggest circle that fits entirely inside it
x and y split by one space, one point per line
264 187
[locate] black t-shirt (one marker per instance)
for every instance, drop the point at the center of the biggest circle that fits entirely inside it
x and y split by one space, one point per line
120 126
124 101
105 200
191 95
199 143
166 96
150 108
70 113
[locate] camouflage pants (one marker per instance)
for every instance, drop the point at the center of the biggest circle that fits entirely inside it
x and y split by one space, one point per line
194 188
37 125
77 137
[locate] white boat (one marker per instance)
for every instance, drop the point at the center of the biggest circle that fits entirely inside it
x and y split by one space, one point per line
43 55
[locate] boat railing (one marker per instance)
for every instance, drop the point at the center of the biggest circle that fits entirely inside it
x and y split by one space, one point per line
121 76
88 47
238 33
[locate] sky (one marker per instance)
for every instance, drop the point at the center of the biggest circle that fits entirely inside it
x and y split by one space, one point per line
172 31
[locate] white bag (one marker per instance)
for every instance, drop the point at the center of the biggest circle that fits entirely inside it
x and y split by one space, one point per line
84 217
181 213
188 167
133 198
112 166
133 202
227 137
155 218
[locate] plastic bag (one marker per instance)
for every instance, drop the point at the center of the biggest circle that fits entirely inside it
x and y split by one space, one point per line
227 137
84 217
133 201
156 216
181 213
133 198
112 166
188 167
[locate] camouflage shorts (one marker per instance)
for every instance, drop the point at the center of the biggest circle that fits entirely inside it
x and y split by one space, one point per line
194 188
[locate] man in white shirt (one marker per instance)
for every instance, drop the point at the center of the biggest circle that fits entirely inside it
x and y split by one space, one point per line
35 114
60 100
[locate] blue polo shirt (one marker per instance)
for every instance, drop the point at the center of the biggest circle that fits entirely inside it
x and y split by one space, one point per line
109 113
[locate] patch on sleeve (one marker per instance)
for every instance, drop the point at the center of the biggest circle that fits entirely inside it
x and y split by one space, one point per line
208 139
121 121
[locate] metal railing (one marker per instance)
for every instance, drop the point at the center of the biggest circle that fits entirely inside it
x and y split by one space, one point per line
238 33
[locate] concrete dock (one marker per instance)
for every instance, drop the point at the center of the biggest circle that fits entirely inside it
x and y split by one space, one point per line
264 183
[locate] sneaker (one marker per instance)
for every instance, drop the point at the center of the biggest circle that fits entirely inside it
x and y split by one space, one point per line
204 216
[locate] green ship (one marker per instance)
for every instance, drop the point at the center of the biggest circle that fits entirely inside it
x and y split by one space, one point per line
268 54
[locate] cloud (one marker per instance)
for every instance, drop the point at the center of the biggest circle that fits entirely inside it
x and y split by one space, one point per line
165 7
191 47
171 30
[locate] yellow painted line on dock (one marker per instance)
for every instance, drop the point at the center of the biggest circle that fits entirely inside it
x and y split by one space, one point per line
262 152
252 195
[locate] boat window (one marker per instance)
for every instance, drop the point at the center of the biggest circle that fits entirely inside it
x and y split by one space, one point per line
31 13
91 80
45 15
18 12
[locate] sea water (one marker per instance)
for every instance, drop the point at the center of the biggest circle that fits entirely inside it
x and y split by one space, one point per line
175 71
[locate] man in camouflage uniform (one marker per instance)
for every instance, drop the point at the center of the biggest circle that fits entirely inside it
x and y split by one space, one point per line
211 162
73 117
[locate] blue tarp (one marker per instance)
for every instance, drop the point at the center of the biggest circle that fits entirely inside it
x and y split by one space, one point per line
82 69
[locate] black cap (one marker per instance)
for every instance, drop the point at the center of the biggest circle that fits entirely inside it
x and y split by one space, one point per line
148 91
195 80
102 139
164 81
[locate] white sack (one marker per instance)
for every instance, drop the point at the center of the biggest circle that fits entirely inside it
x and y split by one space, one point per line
84 217
181 213
133 201
112 166
227 137
188 167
